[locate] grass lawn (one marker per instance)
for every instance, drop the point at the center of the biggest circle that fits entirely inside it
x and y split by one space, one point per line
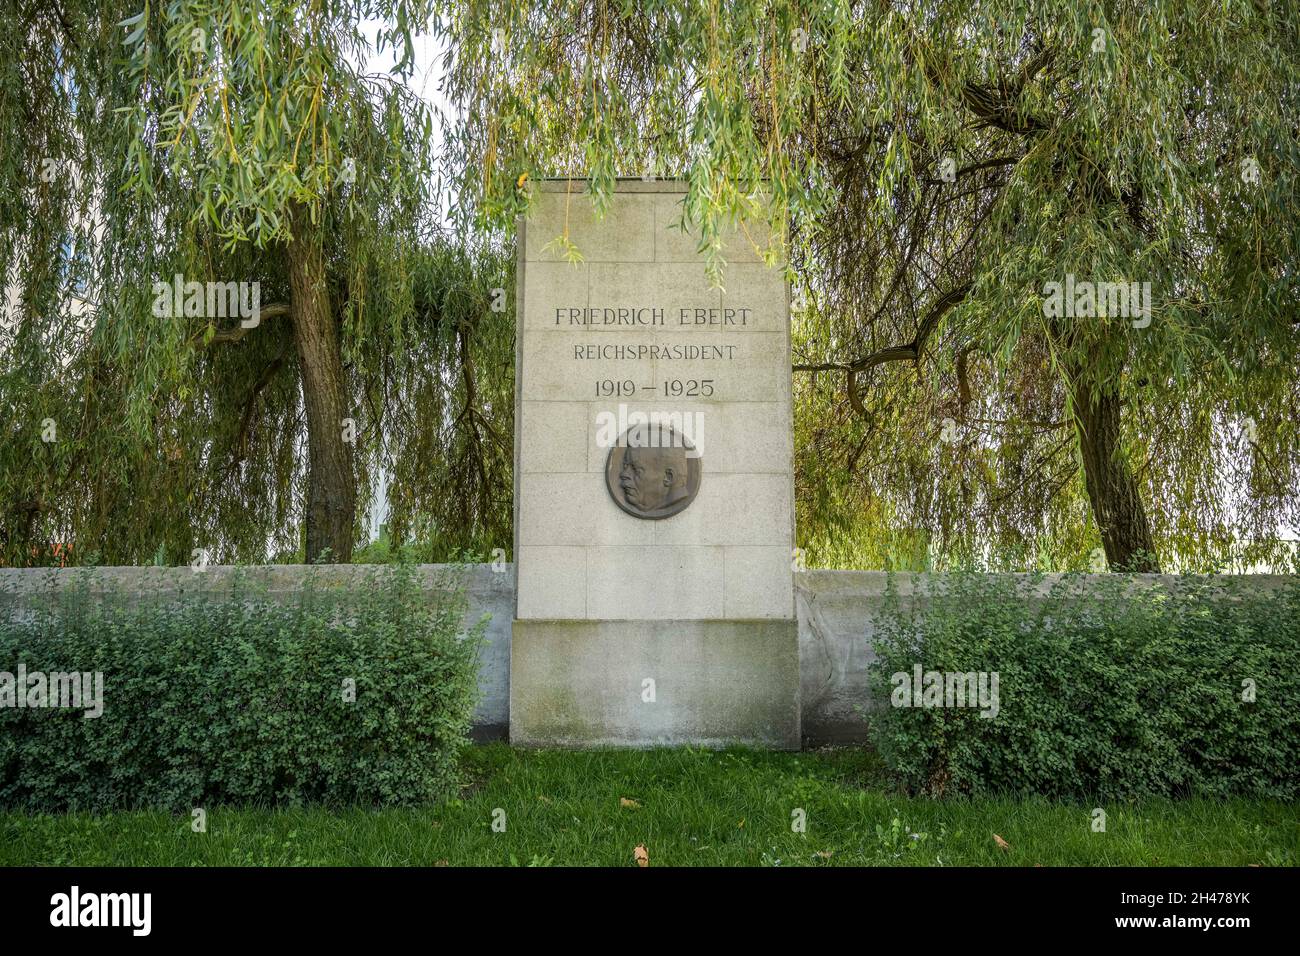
686 807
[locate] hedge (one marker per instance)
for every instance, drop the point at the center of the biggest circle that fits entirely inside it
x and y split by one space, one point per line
1127 687
363 696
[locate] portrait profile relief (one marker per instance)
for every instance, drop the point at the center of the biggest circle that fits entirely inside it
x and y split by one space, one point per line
653 471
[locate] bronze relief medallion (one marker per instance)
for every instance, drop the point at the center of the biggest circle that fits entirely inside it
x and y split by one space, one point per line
653 471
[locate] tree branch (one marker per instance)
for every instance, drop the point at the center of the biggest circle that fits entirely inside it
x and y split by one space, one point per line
900 353
276 310
975 168
897 353
263 380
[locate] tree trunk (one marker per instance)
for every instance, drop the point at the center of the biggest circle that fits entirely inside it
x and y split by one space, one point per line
331 492
1113 491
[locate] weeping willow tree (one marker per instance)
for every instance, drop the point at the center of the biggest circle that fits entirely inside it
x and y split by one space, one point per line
233 143
946 174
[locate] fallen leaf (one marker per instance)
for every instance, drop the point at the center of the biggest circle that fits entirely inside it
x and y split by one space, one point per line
824 854
1001 842
641 856
625 802
740 825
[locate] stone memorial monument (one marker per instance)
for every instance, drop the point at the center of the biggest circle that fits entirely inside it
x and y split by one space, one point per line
654 511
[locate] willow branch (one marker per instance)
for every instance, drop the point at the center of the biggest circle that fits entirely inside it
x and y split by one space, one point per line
276 310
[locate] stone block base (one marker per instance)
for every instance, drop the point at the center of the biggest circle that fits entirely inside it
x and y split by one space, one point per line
587 683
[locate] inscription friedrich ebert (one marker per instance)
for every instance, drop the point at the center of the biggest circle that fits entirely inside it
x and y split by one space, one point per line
651 316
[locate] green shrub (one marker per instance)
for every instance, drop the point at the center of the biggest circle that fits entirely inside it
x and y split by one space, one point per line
1113 690
240 699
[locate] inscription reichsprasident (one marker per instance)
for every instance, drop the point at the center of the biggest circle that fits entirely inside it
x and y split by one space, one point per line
652 316
645 351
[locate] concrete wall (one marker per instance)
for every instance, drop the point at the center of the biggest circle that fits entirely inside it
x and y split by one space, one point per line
838 615
489 593
837 610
